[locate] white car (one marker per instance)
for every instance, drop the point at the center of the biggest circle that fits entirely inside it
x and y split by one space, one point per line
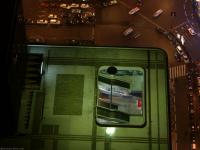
191 31
52 16
65 6
112 2
179 50
182 40
84 5
74 5
133 11
157 13
54 21
136 35
42 21
128 31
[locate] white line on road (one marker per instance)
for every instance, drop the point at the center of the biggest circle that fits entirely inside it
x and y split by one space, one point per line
184 6
144 17
183 23
150 21
124 4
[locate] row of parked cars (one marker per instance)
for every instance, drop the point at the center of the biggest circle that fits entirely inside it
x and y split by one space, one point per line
193 76
180 53
109 2
64 13
74 17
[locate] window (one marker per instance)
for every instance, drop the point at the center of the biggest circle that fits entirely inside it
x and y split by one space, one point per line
120 93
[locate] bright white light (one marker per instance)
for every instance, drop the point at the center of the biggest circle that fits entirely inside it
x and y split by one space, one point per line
179 48
194 146
178 36
182 40
41 68
110 131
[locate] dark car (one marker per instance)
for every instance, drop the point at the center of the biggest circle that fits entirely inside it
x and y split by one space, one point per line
161 30
177 57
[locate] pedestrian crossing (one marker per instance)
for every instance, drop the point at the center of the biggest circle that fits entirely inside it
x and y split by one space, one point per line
177 71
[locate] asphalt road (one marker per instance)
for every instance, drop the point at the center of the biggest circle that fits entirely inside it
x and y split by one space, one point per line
112 20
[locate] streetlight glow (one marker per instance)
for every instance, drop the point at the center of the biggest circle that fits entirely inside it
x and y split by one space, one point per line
110 131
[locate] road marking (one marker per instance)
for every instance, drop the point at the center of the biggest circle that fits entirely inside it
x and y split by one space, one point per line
177 71
144 17
155 24
183 23
184 6
150 21
124 4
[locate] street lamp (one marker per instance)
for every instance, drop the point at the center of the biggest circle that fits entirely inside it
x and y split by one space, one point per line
112 71
110 131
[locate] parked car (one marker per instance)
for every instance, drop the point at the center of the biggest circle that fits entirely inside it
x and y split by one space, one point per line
177 56
42 21
54 21
179 50
136 35
133 11
52 16
83 5
109 3
112 2
158 13
128 31
191 31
